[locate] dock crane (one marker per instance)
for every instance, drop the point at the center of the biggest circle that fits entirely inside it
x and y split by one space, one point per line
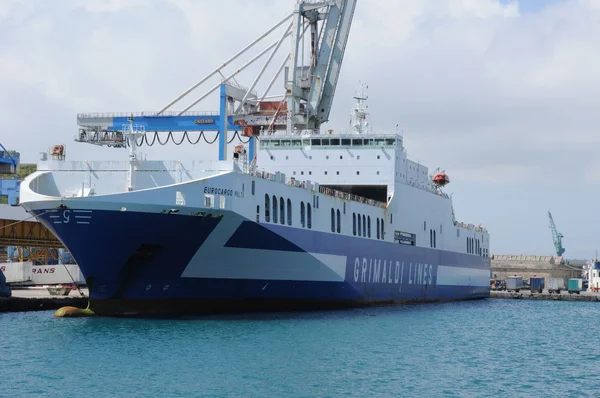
318 31
9 164
556 236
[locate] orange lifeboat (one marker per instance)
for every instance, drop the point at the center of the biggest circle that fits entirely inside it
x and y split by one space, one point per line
441 179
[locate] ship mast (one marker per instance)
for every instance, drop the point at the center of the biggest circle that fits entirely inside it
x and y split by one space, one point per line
359 113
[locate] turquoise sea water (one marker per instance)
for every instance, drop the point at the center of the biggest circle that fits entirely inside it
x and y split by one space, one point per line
479 348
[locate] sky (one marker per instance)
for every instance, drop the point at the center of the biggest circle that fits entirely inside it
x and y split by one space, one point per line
504 95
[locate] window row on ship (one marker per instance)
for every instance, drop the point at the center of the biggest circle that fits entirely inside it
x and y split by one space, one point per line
279 210
474 247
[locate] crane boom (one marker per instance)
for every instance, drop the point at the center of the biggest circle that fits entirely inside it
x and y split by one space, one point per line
556 237
315 83
335 63
318 31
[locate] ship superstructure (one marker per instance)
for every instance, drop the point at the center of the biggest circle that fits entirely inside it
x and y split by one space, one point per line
297 218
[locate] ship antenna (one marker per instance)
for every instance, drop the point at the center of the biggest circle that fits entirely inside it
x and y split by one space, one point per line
359 114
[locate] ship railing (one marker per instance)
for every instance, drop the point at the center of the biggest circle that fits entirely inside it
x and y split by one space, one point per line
143 114
470 227
349 196
7 154
302 133
427 187
324 190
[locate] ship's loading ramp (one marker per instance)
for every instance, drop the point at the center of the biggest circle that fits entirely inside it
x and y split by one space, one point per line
19 228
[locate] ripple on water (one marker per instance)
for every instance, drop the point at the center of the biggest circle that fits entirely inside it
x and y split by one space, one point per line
455 349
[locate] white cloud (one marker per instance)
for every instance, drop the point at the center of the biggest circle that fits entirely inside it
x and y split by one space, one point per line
104 6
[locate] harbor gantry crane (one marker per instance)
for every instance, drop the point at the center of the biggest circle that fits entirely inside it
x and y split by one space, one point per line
556 236
9 164
319 32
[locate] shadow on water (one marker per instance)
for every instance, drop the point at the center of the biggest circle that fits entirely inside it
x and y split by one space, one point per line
308 315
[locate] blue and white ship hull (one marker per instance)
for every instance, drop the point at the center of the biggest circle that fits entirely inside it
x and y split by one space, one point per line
200 260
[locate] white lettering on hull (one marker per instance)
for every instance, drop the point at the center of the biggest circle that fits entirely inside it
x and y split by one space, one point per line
375 270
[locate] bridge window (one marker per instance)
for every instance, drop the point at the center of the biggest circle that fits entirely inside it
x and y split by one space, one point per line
430 238
275 209
354 223
309 216
257 213
434 238
267 207
359 228
289 212
253 187
339 222
282 211
302 222
382 230
332 220
369 226
377 227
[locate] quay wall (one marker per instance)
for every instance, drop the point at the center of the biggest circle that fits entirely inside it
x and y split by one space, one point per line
504 265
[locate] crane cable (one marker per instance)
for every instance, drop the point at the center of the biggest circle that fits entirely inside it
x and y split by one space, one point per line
171 137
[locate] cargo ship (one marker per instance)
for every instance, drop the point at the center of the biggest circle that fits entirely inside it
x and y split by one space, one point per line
297 219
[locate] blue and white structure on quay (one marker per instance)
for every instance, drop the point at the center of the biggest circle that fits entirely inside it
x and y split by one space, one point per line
309 220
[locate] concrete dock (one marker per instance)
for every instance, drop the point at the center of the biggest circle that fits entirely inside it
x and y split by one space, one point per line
41 300
563 296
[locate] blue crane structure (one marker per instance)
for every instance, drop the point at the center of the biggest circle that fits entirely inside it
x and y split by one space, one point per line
556 236
9 164
312 67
